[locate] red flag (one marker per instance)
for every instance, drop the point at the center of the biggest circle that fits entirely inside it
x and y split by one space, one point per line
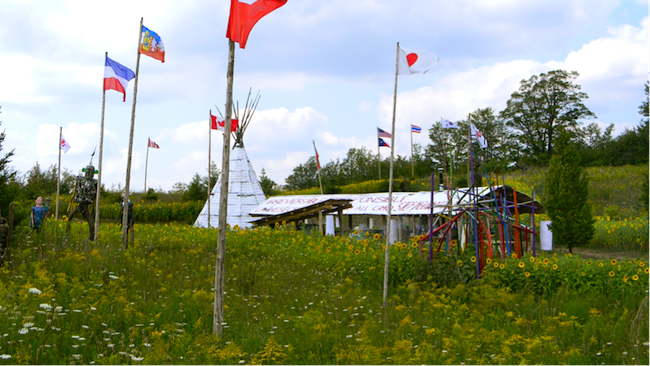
220 124
244 16
153 145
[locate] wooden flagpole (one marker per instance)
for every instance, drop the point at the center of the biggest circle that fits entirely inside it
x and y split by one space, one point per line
390 186
146 165
220 270
58 180
125 214
99 168
209 161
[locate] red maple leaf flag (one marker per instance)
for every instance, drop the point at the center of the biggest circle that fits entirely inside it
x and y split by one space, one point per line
153 145
244 15
220 124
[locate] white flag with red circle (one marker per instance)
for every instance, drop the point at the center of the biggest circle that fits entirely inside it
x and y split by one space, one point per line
413 62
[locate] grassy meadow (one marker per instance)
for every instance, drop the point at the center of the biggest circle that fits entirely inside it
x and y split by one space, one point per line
298 298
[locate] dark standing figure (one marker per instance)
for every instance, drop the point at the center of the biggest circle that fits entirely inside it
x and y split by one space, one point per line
129 217
38 214
85 192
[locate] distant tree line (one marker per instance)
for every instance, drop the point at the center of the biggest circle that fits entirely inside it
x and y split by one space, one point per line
523 135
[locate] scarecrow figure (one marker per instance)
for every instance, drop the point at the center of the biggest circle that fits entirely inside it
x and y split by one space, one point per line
85 191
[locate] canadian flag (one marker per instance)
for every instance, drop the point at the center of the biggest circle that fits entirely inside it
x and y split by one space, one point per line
153 145
220 124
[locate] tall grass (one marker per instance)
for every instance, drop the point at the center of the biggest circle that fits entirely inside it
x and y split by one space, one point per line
294 298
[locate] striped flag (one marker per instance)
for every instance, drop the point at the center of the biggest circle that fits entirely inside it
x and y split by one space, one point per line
416 129
382 133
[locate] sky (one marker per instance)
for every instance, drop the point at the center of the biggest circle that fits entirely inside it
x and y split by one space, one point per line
325 71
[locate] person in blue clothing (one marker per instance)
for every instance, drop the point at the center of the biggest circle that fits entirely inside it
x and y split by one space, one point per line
38 214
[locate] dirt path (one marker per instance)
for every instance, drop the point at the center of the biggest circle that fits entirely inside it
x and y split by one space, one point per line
587 253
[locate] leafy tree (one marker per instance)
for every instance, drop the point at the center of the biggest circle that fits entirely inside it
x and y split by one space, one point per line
268 186
303 176
39 182
543 106
359 165
592 144
566 191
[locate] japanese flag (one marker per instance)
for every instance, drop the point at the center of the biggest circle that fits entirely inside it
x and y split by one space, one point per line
65 145
412 62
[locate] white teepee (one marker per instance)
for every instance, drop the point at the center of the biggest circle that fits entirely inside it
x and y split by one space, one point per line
244 190
244 193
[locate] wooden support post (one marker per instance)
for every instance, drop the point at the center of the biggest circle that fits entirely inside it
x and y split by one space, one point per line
320 221
340 222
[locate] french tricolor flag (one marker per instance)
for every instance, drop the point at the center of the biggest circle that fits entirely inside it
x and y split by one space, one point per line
116 76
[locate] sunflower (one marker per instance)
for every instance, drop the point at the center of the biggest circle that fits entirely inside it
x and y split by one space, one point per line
459 263
496 265
546 260
555 266
611 273
527 274
415 244
625 278
514 255
357 251
588 263
522 264
647 270
641 264
600 264
614 262
473 259
376 236
635 277
502 266
532 259
488 261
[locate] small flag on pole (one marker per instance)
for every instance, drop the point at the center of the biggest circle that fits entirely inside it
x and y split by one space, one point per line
382 133
244 16
383 143
478 135
220 124
416 129
116 76
151 44
448 124
412 62
153 145
65 145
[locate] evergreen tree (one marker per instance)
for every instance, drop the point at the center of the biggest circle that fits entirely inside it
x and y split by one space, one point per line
269 187
6 176
566 194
